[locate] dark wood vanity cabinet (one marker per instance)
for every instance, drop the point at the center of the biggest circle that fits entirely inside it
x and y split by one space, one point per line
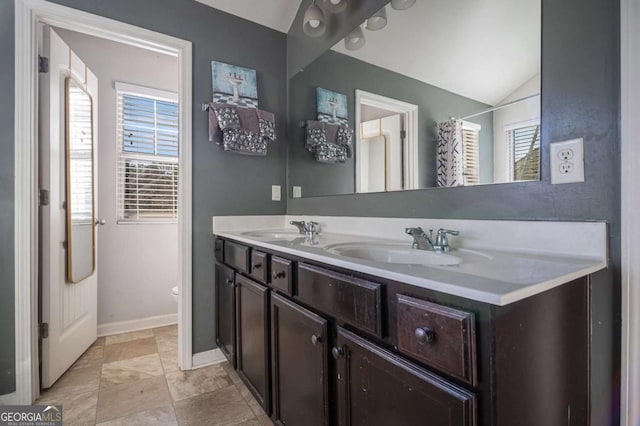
377 387
252 337
225 311
321 345
299 355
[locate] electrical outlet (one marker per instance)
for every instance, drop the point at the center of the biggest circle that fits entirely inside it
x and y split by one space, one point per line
565 154
297 192
567 161
275 193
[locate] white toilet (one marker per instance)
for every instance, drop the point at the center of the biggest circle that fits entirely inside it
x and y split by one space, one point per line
175 294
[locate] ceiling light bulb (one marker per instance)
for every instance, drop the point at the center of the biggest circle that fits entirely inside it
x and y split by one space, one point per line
355 39
334 6
402 4
313 23
378 21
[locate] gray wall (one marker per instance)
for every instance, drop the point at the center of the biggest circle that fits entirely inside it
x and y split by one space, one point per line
7 348
580 98
223 183
344 74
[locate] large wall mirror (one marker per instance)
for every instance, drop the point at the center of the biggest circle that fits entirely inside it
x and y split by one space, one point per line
445 93
80 196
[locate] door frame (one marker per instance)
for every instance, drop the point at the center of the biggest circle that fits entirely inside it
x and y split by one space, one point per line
630 204
411 175
28 14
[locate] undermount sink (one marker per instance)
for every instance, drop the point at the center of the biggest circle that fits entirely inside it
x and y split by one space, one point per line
276 234
404 255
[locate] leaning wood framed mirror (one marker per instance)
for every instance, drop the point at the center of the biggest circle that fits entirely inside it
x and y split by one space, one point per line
79 186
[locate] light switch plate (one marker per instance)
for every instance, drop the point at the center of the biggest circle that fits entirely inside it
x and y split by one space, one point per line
567 161
297 192
275 193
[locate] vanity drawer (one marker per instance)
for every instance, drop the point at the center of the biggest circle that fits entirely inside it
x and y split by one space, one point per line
353 300
237 256
259 266
282 275
439 336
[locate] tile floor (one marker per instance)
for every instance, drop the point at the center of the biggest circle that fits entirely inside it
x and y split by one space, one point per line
134 379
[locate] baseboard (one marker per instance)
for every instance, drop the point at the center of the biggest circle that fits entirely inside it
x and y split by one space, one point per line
203 359
135 325
9 399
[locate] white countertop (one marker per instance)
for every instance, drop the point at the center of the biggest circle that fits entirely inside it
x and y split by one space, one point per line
504 277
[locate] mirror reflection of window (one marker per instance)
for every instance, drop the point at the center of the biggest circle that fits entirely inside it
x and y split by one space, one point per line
79 191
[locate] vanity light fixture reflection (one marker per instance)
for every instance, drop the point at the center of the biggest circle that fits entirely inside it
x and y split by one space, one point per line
334 6
355 39
378 21
314 23
402 4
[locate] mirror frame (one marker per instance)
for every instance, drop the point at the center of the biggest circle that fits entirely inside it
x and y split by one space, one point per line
68 232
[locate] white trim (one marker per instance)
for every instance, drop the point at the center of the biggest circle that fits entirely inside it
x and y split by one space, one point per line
630 205
136 324
28 14
411 172
8 399
211 357
135 89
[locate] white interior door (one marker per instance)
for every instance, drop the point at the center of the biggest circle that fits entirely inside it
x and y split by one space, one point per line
69 309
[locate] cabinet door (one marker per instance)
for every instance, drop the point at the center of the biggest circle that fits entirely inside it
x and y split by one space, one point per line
376 387
252 337
299 359
225 311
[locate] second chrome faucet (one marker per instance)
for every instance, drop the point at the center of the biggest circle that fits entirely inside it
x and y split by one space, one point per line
422 241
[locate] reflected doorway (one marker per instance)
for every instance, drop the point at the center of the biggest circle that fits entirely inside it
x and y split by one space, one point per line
386 144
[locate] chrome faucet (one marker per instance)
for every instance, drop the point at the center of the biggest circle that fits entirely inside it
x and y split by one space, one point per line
300 224
442 242
422 241
309 229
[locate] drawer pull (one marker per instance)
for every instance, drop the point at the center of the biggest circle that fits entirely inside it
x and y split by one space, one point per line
278 275
425 335
257 265
229 281
337 352
316 339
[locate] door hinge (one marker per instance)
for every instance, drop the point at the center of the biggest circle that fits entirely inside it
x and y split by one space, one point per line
403 134
43 330
43 64
64 244
44 197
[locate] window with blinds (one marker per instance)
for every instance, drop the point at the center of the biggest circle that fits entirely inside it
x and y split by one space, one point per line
470 153
524 151
147 154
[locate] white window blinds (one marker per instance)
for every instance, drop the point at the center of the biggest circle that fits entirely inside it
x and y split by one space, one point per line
147 154
524 151
470 153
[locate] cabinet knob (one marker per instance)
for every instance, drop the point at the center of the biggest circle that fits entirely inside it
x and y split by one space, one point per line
278 275
425 335
337 352
257 265
315 339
